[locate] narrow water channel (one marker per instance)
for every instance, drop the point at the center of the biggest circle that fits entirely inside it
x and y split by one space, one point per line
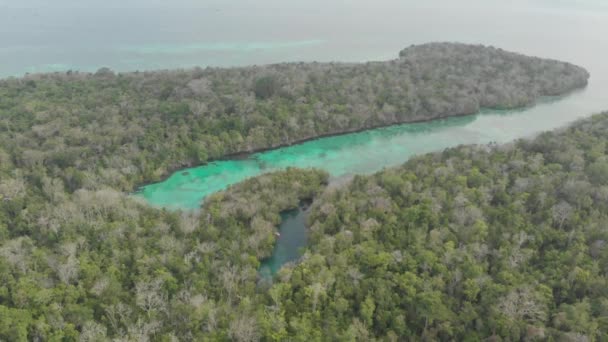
370 151
290 243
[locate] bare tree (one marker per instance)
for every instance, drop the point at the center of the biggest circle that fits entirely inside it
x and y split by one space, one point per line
68 271
230 279
142 330
244 329
189 222
561 212
16 252
12 188
150 296
93 332
118 315
523 304
316 290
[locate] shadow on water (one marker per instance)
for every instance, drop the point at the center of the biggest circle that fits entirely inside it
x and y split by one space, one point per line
290 243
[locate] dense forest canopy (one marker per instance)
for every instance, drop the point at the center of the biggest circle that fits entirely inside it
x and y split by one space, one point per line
97 265
499 242
125 129
473 243
519 225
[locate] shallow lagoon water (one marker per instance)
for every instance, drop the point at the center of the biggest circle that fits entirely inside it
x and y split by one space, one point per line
369 151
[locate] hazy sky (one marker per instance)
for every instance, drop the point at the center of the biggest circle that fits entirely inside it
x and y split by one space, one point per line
319 4
39 35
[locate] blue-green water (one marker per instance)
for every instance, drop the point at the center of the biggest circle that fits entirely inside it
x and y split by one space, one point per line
370 151
288 248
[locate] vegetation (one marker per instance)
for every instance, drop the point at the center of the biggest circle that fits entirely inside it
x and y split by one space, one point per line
80 260
102 265
127 129
474 243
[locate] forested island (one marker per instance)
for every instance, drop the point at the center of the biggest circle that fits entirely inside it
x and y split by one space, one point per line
470 243
125 129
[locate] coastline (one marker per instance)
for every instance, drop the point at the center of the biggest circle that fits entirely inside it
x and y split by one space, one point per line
246 154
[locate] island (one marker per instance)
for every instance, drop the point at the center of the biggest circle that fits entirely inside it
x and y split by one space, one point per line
143 125
473 242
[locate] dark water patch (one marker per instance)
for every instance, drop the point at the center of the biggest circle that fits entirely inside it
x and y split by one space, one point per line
291 242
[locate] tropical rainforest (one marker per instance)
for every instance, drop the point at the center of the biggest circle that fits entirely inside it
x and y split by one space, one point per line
472 243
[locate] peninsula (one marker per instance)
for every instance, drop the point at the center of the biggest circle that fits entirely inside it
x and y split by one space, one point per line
142 125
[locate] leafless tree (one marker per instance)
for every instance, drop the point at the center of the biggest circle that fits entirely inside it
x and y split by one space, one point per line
561 213
244 329
150 296
523 304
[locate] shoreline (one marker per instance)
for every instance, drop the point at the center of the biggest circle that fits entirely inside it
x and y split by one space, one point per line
247 154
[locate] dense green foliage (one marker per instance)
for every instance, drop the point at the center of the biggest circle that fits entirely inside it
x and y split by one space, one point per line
102 265
126 129
474 242
500 242
81 260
